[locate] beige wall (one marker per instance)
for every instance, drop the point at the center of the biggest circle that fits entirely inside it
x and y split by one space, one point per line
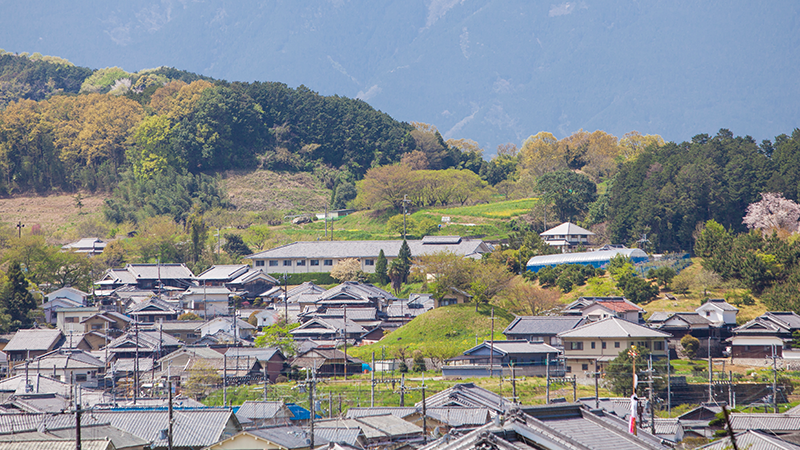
244 442
587 355
308 268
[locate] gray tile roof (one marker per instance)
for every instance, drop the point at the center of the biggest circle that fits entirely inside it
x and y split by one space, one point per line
262 410
514 347
163 271
349 436
223 272
375 427
67 359
468 395
768 422
612 327
35 339
542 325
260 354
329 324
567 228
721 304
57 444
290 437
454 417
752 440
369 249
191 427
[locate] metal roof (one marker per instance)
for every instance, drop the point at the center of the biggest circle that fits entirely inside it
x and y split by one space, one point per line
599 256
612 327
369 249
567 228
546 325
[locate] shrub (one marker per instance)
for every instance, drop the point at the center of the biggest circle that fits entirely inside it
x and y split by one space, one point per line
690 345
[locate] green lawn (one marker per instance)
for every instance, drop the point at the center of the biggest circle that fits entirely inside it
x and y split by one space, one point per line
498 210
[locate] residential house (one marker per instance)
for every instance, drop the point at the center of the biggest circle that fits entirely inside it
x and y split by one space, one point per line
288 437
565 426
444 419
719 312
469 395
328 362
144 343
177 363
401 311
107 322
182 330
682 323
191 428
71 366
148 277
206 301
257 414
242 279
380 431
328 329
598 308
523 358
594 344
454 296
27 344
66 297
306 293
542 329
153 310
223 339
38 383
758 337
69 319
91 246
270 357
753 439
352 294
321 256
88 342
566 236
236 327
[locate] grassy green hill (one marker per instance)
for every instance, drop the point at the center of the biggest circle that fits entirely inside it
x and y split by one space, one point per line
444 332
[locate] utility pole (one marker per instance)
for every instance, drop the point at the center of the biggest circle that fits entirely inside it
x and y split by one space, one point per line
491 350
372 388
513 383
312 408
169 415
710 373
285 300
266 379
20 226
402 389
424 413
650 388
669 381
224 380
136 363
405 201
596 374
774 379
344 332
547 373
77 424
326 220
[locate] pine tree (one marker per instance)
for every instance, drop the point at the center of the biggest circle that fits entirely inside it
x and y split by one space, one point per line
17 299
381 268
405 261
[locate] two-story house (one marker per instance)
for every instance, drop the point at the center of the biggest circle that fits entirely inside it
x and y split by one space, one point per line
598 308
600 342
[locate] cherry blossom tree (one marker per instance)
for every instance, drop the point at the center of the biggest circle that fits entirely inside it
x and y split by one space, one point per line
773 213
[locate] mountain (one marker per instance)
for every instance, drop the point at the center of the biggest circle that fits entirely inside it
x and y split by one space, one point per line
489 70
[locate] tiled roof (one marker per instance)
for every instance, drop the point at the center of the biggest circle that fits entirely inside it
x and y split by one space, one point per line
752 440
375 427
36 339
69 359
369 249
542 325
261 354
768 422
162 271
454 417
191 427
223 272
57 444
330 325
260 410
613 327
468 395
339 435
719 303
290 437
514 347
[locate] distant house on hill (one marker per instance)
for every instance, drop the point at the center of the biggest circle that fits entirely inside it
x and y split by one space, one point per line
566 236
90 246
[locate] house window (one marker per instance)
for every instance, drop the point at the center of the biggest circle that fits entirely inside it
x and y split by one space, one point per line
80 377
191 336
603 345
287 262
584 367
569 369
576 345
70 319
369 262
592 348
327 262
273 263
616 344
260 263
96 326
301 262
658 345
314 262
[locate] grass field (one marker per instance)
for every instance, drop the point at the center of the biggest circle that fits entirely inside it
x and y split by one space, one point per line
499 210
